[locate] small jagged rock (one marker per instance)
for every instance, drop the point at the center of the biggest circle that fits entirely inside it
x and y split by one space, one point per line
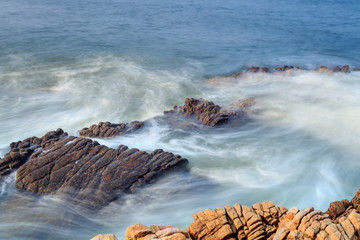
142 232
345 69
336 69
208 113
107 129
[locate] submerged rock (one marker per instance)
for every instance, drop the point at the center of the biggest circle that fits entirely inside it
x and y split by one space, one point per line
267 221
208 113
107 129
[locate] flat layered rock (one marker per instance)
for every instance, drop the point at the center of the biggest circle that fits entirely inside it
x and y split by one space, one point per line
207 113
107 129
89 173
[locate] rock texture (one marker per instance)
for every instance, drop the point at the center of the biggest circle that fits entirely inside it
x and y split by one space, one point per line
208 113
155 232
89 172
21 150
107 129
267 221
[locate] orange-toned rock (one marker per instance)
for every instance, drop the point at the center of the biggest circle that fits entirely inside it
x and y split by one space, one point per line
267 221
142 232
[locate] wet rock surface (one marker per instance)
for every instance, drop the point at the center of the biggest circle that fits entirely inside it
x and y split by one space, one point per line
267 221
208 113
91 173
20 151
107 129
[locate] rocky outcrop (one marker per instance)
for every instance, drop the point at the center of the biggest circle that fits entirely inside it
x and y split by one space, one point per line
89 172
107 129
208 113
21 150
267 221
285 68
155 232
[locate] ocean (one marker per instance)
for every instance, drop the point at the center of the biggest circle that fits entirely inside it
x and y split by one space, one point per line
70 64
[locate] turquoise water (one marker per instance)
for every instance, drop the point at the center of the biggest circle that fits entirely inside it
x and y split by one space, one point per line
72 64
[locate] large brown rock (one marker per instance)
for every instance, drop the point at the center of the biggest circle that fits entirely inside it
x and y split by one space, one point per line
208 113
107 129
90 173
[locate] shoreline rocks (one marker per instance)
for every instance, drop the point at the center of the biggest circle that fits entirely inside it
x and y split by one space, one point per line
92 174
285 68
267 221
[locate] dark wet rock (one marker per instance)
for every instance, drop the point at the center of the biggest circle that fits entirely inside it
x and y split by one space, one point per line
21 150
336 69
286 68
338 208
356 201
254 69
208 113
356 69
91 173
107 129
345 69
257 70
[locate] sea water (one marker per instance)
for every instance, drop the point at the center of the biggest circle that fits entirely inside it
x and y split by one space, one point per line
70 64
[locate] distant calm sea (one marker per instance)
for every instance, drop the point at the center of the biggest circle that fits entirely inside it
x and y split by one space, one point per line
71 64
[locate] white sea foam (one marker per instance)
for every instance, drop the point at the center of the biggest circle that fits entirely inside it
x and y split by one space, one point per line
300 148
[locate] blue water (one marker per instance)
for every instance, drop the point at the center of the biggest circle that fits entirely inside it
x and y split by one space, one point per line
223 36
71 64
